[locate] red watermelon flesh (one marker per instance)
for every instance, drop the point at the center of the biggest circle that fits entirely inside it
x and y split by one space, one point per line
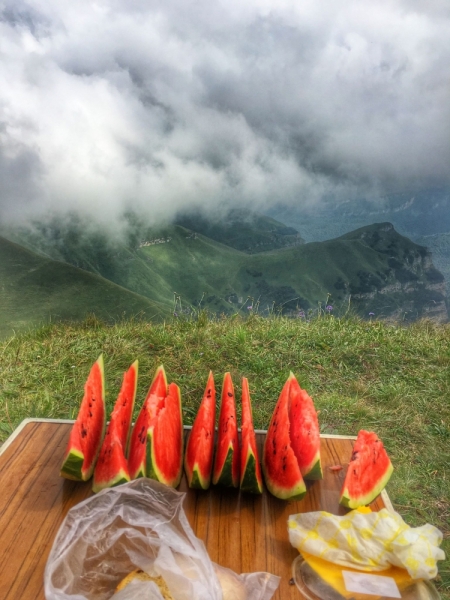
304 431
280 466
226 462
137 456
165 439
198 459
112 466
87 432
368 471
251 477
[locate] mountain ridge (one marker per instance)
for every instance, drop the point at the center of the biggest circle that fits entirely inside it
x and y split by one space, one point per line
374 269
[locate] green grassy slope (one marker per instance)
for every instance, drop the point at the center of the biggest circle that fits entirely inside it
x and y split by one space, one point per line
358 265
34 290
373 266
361 375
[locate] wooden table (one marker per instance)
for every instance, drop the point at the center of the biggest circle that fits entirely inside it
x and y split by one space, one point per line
241 531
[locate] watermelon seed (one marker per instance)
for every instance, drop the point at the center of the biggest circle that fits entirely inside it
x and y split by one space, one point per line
230 394
83 432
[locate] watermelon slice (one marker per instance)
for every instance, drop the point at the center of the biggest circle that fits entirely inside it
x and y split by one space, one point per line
112 466
165 441
156 448
198 459
280 466
137 459
88 430
226 462
251 478
304 431
368 471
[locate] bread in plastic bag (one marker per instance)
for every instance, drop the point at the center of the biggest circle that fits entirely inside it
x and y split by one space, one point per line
142 525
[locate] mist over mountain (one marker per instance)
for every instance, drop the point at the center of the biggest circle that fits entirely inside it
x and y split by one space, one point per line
414 213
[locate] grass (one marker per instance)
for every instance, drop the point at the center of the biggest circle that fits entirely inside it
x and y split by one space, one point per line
372 375
36 290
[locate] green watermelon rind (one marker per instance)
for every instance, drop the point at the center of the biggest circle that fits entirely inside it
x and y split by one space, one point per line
121 477
356 502
225 475
315 472
196 481
249 481
72 467
296 492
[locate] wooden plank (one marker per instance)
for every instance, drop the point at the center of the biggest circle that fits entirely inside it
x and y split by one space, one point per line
241 531
33 502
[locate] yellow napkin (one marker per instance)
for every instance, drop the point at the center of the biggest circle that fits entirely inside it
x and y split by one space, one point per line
369 541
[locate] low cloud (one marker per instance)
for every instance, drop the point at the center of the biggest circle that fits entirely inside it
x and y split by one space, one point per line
156 107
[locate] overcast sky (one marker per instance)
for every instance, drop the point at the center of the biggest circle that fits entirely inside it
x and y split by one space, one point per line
166 104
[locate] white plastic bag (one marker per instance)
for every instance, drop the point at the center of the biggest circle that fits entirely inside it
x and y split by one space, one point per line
142 525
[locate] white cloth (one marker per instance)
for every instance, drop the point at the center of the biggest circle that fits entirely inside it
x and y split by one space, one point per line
370 541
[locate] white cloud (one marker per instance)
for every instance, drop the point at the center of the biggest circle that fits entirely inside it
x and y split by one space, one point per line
165 105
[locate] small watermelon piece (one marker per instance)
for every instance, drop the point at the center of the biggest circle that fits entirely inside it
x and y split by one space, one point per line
369 470
280 466
156 448
251 477
88 430
137 459
226 462
198 459
112 466
304 431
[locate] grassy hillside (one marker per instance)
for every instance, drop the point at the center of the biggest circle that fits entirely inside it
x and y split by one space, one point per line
371 267
36 290
389 379
361 265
